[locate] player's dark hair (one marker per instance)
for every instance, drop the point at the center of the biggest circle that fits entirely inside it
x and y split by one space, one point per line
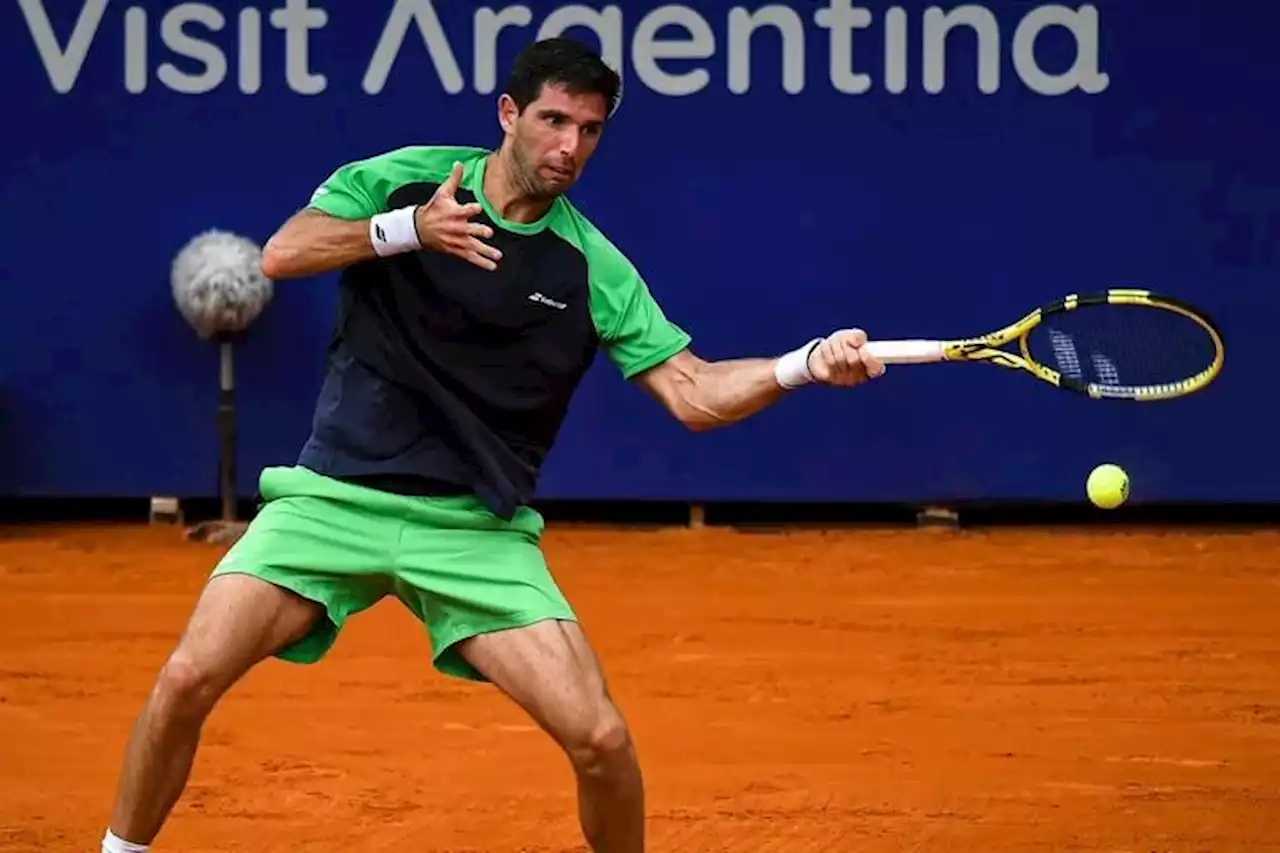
563 62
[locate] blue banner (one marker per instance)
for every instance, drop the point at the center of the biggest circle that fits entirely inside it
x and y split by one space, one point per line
775 171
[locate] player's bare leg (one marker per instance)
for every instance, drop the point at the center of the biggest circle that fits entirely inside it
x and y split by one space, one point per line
237 622
550 670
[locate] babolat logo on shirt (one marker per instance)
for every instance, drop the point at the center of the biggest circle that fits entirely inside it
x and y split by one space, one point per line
546 300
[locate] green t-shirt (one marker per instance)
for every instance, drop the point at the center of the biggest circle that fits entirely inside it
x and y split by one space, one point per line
443 371
633 330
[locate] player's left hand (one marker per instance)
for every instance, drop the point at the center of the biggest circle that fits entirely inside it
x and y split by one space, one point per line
842 360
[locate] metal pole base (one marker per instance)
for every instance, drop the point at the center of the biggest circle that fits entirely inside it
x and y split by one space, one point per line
219 532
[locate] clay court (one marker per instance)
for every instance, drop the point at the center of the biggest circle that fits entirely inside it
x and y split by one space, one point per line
854 690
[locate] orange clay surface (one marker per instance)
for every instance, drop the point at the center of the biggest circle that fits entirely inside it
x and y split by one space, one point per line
850 692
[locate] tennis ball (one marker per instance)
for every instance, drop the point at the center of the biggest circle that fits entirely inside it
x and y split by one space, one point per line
1108 486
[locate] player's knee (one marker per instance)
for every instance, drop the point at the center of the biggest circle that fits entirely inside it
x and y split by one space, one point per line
602 745
186 688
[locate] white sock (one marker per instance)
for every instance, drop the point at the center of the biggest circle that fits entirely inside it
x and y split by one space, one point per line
113 844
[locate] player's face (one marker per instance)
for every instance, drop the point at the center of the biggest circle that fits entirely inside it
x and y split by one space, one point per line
554 137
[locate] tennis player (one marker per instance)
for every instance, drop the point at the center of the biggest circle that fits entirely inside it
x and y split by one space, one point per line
473 297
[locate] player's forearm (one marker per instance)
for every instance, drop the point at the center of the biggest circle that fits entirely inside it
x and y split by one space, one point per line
718 393
313 243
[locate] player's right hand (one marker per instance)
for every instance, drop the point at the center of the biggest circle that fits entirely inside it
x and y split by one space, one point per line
446 226
843 361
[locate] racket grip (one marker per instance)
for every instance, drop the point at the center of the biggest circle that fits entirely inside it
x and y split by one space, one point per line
906 352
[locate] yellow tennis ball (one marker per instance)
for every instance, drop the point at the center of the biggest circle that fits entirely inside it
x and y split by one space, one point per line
1108 486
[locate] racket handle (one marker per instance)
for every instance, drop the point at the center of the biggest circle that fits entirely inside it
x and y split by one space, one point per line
906 352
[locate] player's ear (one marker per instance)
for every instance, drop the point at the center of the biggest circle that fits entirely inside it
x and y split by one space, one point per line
507 113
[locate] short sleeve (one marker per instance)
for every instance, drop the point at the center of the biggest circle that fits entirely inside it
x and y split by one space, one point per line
633 329
361 188
351 192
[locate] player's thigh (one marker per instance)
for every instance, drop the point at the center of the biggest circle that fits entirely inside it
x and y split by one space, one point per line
237 621
465 572
326 542
550 670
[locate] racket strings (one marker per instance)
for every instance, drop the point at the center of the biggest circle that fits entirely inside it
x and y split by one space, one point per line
1122 346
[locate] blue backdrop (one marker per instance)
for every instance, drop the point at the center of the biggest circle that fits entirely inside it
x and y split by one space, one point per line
832 167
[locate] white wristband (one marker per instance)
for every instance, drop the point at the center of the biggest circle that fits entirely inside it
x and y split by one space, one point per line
792 369
394 232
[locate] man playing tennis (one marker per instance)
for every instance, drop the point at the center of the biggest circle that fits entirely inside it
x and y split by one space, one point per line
472 299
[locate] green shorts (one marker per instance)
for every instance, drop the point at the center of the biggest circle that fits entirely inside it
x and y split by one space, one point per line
461 570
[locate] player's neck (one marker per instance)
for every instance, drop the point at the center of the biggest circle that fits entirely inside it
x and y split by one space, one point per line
506 195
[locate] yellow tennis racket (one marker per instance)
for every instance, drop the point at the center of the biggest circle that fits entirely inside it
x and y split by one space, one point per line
1117 344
